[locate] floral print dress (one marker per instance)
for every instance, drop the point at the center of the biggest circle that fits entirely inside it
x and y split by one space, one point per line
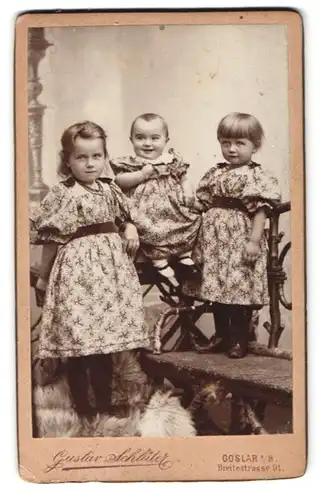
226 278
93 301
166 226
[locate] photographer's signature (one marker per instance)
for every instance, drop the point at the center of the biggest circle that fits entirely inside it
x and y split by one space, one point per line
130 457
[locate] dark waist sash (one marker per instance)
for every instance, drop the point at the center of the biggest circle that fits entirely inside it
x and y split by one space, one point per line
104 227
231 203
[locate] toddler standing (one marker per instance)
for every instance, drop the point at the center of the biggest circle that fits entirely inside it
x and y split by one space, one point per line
235 197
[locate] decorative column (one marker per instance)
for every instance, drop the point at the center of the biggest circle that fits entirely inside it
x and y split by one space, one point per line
37 45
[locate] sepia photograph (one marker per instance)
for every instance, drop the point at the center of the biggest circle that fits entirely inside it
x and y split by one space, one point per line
159 234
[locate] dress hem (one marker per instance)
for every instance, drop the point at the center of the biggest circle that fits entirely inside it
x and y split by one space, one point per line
70 353
228 303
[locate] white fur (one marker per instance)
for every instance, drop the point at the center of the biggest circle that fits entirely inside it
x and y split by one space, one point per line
152 414
164 416
116 427
55 395
57 422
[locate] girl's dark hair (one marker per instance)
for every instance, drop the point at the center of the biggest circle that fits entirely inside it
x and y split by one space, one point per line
148 117
85 130
237 125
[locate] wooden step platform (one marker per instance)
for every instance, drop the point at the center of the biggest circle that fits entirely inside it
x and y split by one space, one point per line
265 378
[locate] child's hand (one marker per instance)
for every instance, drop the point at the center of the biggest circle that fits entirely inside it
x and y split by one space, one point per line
197 206
250 203
147 171
251 252
40 290
131 239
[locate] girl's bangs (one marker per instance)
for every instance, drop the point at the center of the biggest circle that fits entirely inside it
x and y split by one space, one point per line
235 130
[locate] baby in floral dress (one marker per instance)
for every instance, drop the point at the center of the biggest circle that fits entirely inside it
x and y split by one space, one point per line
93 304
234 198
160 197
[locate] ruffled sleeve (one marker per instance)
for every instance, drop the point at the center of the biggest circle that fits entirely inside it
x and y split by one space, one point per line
125 164
122 206
56 219
262 192
177 168
206 190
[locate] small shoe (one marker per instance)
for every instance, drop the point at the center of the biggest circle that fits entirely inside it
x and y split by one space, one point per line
188 271
218 345
237 351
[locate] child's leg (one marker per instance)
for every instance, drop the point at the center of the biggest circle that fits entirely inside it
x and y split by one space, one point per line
101 370
165 270
240 330
221 314
78 384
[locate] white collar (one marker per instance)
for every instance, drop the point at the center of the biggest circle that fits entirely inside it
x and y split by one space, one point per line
165 158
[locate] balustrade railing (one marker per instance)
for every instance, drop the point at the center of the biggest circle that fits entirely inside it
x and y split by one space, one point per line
276 274
37 45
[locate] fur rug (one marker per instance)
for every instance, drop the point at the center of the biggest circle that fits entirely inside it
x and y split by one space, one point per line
141 409
162 415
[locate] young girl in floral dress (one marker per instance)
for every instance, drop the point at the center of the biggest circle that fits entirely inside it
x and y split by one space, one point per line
160 197
235 197
93 303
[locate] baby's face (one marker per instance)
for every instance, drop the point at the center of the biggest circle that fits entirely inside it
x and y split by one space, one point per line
149 138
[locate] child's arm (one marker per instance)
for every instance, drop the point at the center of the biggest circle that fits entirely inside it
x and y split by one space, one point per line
205 192
48 255
188 194
129 180
252 247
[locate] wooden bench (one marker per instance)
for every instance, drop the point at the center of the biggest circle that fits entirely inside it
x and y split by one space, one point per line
252 383
257 377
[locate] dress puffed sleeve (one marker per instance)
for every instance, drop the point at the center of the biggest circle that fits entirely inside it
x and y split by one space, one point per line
206 190
261 191
56 219
124 164
121 206
178 167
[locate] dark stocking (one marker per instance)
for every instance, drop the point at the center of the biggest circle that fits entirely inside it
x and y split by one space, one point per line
78 384
101 379
240 317
221 314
